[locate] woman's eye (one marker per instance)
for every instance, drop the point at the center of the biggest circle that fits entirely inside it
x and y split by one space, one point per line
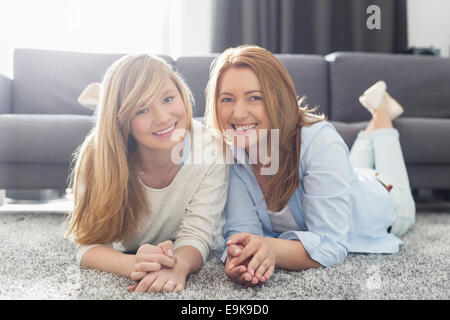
255 98
142 111
168 99
225 100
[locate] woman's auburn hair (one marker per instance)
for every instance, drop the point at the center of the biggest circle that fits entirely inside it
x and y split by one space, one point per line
108 197
286 111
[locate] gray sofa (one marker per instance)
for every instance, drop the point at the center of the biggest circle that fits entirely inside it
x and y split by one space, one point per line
41 122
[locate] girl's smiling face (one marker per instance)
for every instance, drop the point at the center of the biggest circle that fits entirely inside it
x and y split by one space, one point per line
154 124
241 108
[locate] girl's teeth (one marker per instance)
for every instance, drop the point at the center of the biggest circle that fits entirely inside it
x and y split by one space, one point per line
165 131
243 128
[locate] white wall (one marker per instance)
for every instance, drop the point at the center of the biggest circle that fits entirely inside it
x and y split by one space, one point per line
429 24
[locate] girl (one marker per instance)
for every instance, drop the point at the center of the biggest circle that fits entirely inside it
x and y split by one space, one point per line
135 185
317 207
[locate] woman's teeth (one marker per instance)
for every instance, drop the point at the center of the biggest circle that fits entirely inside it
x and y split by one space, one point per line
165 131
244 128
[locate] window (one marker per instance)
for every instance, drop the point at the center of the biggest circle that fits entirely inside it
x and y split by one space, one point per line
113 26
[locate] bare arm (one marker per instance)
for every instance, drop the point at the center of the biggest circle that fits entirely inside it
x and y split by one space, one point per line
109 260
291 254
189 259
134 266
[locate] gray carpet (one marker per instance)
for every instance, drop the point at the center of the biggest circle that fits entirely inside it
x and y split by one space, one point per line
36 262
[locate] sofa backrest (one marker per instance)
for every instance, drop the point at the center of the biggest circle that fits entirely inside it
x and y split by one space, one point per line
309 73
421 84
195 72
50 82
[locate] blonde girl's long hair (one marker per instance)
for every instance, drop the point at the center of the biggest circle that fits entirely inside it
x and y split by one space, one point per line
108 197
287 112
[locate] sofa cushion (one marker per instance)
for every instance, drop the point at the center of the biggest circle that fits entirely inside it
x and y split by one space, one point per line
309 73
419 83
49 82
42 138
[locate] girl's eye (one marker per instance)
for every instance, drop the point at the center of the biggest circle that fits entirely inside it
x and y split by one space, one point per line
168 99
255 98
225 100
142 111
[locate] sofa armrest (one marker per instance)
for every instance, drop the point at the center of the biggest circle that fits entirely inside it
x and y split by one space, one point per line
5 94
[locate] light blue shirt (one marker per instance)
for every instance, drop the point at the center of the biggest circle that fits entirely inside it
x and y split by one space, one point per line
338 209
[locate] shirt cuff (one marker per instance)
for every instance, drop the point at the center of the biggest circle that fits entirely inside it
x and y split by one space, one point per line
320 248
200 246
223 258
81 250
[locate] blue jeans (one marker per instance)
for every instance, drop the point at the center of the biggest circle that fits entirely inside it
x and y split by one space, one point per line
380 150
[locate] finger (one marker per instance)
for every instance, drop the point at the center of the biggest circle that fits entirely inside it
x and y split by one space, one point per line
167 248
256 261
169 286
136 276
158 258
237 272
255 280
234 250
145 283
179 288
241 238
148 248
246 252
147 267
133 287
230 264
269 273
240 280
247 277
264 266
157 285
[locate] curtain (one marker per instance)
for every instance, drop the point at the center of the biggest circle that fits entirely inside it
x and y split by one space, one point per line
309 26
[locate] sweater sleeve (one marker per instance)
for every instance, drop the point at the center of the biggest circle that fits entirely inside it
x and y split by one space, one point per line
204 211
80 250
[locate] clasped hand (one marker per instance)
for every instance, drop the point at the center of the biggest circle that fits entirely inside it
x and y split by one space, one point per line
153 269
250 260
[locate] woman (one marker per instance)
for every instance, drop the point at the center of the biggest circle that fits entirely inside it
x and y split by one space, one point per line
136 187
317 207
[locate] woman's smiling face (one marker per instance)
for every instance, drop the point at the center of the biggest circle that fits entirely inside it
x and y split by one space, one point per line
154 124
241 108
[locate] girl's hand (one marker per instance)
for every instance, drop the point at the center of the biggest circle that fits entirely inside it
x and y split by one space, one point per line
172 280
152 258
261 257
235 273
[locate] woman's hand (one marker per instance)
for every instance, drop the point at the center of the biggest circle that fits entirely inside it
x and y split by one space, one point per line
235 273
152 258
172 280
256 256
